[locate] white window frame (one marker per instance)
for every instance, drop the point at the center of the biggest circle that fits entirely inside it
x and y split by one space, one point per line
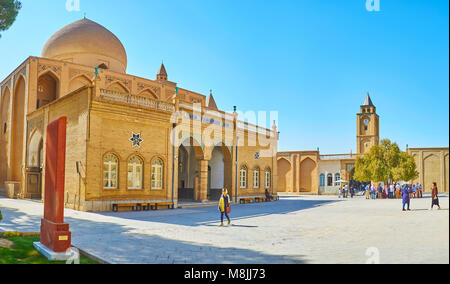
109 182
137 173
243 177
157 174
268 178
337 177
256 178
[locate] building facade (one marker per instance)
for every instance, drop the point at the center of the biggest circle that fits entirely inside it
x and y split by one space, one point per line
433 166
309 172
129 139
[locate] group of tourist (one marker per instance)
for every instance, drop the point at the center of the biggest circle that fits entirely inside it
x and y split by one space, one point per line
405 192
393 191
346 191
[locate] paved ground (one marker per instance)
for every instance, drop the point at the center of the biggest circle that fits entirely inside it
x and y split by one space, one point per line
293 230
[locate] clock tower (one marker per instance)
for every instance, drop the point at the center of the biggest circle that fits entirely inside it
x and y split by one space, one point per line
368 127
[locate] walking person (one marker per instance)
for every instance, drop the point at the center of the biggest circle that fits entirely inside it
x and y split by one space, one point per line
224 206
434 197
380 191
373 192
391 191
397 190
367 192
406 197
386 191
420 190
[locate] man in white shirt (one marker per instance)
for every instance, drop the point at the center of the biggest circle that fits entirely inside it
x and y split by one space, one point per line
391 191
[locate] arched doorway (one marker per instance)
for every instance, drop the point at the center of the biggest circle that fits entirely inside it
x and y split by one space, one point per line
35 163
17 130
220 173
190 153
48 89
284 175
4 138
307 167
187 171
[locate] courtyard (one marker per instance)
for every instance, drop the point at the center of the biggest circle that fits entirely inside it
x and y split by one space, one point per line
294 230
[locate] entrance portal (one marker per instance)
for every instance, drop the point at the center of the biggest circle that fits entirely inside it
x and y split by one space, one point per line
220 172
187 171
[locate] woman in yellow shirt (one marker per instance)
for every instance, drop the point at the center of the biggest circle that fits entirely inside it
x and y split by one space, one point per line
224 206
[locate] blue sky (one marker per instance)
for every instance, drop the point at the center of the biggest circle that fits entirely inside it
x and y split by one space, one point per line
313 61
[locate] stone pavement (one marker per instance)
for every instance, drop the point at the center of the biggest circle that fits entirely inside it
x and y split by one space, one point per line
307 229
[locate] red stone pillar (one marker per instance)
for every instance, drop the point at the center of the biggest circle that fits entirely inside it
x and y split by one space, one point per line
55 233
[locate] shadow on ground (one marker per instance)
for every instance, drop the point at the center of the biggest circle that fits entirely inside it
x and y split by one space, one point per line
117 243
210 215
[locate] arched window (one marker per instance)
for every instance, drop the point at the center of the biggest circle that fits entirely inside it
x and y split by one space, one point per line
268 178
330 180
337 178
157 174
110 171
103 66
135 173
243 177
256 177
322 180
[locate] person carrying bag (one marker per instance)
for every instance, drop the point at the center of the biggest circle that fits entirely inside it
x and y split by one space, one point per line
224 206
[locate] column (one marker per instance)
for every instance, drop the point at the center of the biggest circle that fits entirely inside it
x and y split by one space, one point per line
203 166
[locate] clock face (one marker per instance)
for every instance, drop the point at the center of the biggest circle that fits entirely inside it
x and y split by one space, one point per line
366 121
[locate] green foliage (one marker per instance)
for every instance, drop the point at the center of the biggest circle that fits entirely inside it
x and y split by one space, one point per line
23 252
384 163
8 13
19 234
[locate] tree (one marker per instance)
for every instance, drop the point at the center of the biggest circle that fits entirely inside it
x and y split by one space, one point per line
384 163
8 13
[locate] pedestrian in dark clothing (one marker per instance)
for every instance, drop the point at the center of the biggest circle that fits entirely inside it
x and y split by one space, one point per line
268 195
406 198
434 197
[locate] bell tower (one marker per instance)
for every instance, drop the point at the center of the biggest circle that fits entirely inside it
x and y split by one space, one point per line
368 127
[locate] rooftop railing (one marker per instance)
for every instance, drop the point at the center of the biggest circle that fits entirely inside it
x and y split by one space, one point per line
135 100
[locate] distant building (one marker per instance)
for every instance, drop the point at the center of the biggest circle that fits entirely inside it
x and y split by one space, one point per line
309 172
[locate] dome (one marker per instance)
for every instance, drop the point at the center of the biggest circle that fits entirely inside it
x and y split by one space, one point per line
88 43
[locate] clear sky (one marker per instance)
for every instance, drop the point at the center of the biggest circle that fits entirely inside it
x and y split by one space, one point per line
313 61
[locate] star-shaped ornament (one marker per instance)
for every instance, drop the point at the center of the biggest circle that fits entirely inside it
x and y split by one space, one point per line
136 140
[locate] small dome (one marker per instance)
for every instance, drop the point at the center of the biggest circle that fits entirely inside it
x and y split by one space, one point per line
88 43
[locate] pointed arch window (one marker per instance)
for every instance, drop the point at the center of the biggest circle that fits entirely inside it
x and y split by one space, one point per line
268 178
330 180
135 173
256 177
110 171
243 177
322 180
157 174
337 179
